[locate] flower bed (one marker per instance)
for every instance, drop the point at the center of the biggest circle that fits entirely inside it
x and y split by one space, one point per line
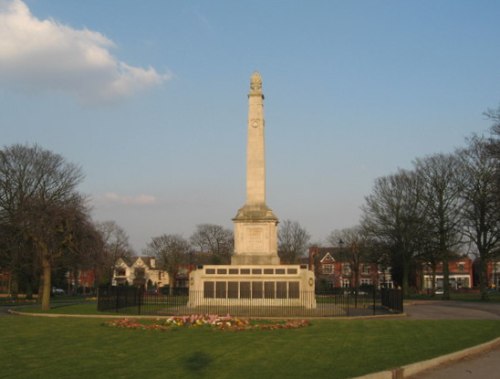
210 321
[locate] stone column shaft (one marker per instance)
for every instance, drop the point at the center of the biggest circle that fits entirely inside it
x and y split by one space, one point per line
256 167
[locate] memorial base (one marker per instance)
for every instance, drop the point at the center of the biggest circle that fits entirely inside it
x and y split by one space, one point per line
252 285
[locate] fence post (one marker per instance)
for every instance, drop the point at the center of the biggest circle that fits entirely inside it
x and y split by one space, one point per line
138 297
374 298
117 296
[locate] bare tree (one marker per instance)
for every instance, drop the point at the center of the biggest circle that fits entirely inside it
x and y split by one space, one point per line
293 241
442 187
84 248
355 245
392 216
214 240
171 250
494 144
494 116
116 245
37 192
481 207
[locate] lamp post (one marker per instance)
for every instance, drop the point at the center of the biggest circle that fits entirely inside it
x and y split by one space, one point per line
341 248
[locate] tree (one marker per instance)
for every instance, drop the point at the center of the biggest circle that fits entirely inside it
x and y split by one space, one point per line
494 116
214 240
392 216
116 245
37 194
293 241
171 250
442 187
84 248
480 212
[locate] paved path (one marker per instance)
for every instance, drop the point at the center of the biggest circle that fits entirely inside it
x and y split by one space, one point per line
452 310
482 366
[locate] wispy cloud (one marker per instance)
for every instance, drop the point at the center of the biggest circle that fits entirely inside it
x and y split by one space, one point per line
47 55
115 198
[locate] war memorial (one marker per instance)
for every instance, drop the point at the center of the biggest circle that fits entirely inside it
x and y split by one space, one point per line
255 276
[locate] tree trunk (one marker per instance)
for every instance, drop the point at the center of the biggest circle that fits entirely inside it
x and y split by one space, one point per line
433 284
406 277
13 285
483 279
171 283
446 278
46 272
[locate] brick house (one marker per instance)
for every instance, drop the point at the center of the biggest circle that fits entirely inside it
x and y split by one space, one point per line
333 268
493 274
85 279
460 274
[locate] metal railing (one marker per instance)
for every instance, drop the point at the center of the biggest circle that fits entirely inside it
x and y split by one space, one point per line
334 303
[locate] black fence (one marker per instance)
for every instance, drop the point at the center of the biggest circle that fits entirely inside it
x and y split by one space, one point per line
392 299
338 302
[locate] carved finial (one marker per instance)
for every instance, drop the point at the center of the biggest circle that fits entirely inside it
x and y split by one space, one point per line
256 83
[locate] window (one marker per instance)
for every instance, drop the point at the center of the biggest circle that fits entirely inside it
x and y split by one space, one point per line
327 269
346 269
461 267
120 272
366 268
346 283
140 273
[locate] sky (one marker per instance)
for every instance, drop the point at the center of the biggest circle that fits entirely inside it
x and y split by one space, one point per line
150 99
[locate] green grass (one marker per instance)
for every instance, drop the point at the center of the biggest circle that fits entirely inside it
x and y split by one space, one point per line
87 308
85 348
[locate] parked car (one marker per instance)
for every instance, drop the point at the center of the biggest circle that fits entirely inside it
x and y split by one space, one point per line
57 291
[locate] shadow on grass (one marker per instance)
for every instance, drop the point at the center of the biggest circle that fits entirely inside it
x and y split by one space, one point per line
197 361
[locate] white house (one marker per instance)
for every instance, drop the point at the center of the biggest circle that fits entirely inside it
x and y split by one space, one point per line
140 271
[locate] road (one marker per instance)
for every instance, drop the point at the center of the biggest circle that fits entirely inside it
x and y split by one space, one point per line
482 366
452 310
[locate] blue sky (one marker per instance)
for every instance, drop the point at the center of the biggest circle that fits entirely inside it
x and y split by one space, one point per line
150 99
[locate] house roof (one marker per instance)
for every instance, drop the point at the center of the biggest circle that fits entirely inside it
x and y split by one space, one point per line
339 254
146 260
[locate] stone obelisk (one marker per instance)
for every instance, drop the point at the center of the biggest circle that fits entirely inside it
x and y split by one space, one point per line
255 225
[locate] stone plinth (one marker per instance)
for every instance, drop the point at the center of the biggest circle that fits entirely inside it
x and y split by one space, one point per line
252 285
255 237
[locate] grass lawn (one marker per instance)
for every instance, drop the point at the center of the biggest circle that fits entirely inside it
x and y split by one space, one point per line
85 348
86 308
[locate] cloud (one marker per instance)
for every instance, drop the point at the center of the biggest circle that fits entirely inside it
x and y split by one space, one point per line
46 55
142 199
